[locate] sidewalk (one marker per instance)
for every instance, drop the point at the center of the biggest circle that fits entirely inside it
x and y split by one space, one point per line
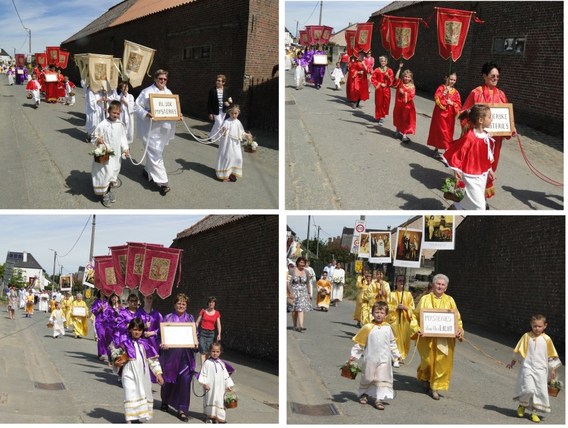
62 381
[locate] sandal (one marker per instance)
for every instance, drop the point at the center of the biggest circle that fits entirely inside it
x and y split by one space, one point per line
363 399
183 417
379 405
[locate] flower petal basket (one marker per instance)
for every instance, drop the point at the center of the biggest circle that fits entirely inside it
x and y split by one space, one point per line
350 370
231 400
553 392
249 149
452 197
102 158
554 387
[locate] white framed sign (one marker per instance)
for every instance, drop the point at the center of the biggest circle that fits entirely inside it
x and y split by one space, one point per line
51 77
438 322
502 120
165 107
78 311
320 59
179 334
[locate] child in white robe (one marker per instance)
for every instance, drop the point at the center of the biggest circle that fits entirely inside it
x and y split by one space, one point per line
57 317
142 357
375 345
69 92
215 380
112 133
537 356
230 156
337 76
127 104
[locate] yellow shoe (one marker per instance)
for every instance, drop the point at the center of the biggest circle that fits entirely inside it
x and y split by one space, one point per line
520 411
535 418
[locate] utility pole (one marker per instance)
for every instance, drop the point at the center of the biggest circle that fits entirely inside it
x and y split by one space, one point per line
318 243
53 276
308 246
321 7
92 251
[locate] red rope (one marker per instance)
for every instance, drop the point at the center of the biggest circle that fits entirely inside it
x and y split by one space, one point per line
536 171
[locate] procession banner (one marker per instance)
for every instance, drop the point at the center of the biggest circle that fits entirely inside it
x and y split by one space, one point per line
314 33
136 62
304 38
325 35
105 276
20 60
403 34
159 270
52 53
99 71
350 41
134 264
364 246
119 254
41 59
115 72
380 247
453 26
384 30
408 248
82 62
62 59
439 232
363 36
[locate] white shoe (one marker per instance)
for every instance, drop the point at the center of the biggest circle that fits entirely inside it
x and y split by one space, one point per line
396 364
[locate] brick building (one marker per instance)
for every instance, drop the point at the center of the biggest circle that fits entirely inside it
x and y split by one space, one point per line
531 67
235 259
506 268
195 41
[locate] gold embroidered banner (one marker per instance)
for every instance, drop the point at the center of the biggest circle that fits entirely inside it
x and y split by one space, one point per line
136 62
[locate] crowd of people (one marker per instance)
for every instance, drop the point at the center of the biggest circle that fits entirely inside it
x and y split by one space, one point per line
389 320
129 339
113 119
473 157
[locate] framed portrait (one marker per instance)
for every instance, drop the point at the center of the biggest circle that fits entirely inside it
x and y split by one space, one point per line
165 107
439 232
380 247
179 334
408 252
65 283
78 311
364 246
502 119
438 322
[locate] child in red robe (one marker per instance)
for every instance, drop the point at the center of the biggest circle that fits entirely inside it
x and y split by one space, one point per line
471 158
404 114
33 87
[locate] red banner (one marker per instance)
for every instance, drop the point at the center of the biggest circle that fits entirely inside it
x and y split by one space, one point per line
384 29
350 40
105 276
119 254
52 53
62 59
20 60
325 35
453 26
304 38
41 59
134 264
363 36
314 33
403 34
160 267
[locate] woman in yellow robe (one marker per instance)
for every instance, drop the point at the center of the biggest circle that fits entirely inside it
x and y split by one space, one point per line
66 303
401 316
360 289
80 325
324 292
368 299
436 353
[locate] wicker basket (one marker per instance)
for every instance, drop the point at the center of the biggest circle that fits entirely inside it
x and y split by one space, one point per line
29 96
102 158
553 392
451 197
249 149
231 404
345 372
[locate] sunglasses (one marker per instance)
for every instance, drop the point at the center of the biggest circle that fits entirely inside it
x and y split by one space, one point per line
162 79
222 81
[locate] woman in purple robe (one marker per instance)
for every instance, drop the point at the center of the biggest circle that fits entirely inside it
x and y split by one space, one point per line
178 365
124 317
318 70
97 309
151 319
110 318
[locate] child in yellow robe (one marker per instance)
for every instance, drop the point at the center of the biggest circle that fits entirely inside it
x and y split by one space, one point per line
324 292
401 316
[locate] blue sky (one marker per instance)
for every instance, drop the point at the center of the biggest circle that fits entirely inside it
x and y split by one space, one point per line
36 234
336 14
332 225
50 22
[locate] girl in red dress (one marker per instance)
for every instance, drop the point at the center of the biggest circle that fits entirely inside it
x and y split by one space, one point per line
357 78
404 114
382 79
447 107
471 158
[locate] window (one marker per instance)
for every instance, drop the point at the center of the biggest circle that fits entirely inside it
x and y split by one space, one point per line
511 45
197 52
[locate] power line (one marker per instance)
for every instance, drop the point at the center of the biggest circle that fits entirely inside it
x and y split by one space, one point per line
317 3
19 17
77 238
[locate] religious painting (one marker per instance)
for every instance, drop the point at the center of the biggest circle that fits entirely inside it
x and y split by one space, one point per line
110 275
317 35
65 282
159 269
363 37
326 34
364 246
134 62
402 37
138 267
380 247
408 248
439 232
100 71
452 32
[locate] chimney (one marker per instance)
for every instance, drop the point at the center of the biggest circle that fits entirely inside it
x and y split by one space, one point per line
25 257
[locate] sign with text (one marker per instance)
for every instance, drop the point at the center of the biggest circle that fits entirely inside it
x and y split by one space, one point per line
178 334
438 322
502 120
164 107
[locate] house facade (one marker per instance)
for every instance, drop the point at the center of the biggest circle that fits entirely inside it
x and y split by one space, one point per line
31 270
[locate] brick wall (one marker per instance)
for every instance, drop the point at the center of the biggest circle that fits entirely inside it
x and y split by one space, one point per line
242 46
533 82
238 264
506 268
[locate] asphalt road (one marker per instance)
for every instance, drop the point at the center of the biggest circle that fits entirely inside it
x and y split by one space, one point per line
481 388
45 164
33 365
338 158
